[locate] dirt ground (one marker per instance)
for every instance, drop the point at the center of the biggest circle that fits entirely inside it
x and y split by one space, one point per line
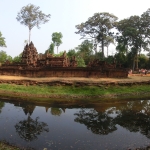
131 78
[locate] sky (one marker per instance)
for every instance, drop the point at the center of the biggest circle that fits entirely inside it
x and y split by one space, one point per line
65 15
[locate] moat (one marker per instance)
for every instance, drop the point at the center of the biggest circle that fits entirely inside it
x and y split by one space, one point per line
104 126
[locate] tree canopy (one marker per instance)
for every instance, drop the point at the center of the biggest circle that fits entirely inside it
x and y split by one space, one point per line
2 41
97 27
132 36
4 57
56 38
51 48
31 16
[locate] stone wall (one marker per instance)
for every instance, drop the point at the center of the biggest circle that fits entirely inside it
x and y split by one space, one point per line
46 65
65 72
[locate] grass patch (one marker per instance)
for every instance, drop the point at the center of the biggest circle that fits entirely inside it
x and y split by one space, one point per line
73 90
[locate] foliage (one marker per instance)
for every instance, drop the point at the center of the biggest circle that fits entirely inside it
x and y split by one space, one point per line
58 55
51 48
145 25
4 57
56 111
84 51
2 41
80 62
97 27
17 59
109 59
31 16
132 35
143 61
121 59
56 38
23 128
71 53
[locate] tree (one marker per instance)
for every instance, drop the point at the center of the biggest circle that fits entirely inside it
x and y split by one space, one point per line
71 53
109 40
85 50
51 48
80 62
132 36
2 41
143 61
97 27
17 59
4 57
56 111
145 19
31 16
29 129
56 38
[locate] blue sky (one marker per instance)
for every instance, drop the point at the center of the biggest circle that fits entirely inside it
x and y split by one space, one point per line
65 14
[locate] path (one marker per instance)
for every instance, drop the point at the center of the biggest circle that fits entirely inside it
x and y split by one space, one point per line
131 78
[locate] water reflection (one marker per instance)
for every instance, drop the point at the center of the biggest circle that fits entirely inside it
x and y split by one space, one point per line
97 122
29 129
134 116
1 106
56 111
27 107
104 126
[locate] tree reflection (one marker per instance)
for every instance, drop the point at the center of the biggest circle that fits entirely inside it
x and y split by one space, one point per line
133 115
27 108
98 123
56 111
1 106
134 122
29 129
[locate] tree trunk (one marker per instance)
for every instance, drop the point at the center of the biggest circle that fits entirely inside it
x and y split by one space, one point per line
133 63
29 35
137 61
57 49
103 49
107 51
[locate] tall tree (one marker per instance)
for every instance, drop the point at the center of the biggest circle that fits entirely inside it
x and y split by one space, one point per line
2 41
97 27
51 48
71 53
132 36
56 38
4 57
31 16
85 50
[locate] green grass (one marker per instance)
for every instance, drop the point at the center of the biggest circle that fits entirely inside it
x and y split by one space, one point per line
72 90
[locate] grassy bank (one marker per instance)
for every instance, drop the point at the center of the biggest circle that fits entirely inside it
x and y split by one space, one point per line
4 146
47 93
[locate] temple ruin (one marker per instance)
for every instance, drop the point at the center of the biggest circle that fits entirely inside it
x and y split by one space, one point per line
46 65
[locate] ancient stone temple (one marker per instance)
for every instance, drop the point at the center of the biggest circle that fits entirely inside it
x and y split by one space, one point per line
46 65
51 61
29 55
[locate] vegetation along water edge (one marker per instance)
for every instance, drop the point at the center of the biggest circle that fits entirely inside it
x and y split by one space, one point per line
73 91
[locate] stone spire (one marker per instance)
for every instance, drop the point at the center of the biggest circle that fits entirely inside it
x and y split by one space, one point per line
29 55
